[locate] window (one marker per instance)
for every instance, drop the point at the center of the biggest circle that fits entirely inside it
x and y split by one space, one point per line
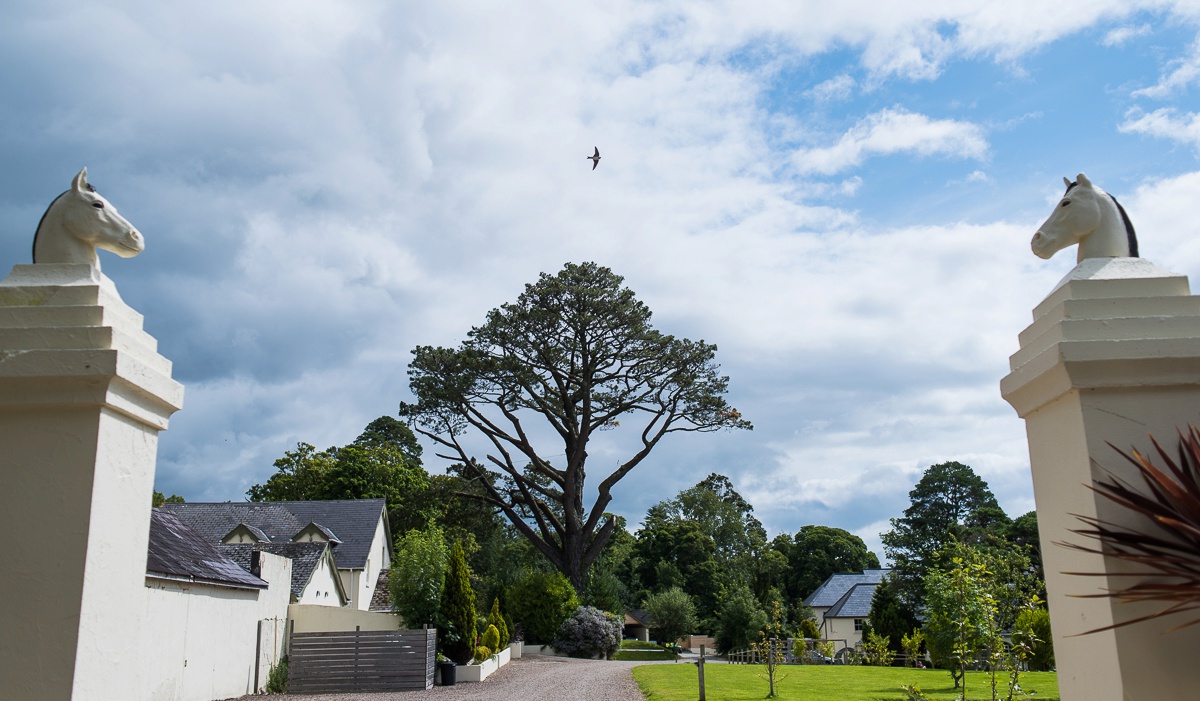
858 624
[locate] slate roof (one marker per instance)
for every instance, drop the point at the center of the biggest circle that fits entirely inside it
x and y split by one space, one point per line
352 520
642 616
381 600
834 588
305 558
855 603
179 552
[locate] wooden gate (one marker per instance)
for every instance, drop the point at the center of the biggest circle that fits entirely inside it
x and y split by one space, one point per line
384 660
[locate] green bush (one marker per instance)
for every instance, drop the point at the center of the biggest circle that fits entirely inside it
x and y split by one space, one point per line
277 677
482 652
491 638
495 619
1035 623
739 620
672 614
540 602
417 576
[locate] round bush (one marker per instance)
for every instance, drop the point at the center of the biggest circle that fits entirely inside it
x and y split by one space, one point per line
491 638
540 602
588 633
482 652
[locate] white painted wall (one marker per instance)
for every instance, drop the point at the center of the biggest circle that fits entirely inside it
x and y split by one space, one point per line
322 588
199 640
319 619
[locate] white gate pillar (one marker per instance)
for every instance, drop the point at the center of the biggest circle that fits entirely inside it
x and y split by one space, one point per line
83 395
1113 355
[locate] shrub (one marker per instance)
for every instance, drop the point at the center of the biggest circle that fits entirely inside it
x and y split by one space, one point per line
494 618
739 621
277 677
458 608
877 650
1033 625
672 614
588 633
417 575
482 652
541 601
808 629
491 638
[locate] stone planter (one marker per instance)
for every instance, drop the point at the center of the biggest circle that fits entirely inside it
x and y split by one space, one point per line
514 650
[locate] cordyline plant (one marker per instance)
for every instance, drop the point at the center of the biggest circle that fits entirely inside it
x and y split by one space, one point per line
1167 553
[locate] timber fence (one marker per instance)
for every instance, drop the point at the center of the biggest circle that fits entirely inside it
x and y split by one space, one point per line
385 660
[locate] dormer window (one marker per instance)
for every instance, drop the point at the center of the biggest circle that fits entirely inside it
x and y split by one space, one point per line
243 533
315 533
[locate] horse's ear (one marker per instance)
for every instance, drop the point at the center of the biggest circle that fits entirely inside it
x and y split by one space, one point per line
1067 182
1083 180
79 184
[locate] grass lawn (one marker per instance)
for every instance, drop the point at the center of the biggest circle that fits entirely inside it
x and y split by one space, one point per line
824 683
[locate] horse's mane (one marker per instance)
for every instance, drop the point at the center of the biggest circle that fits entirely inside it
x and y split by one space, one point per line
1130 234
33 251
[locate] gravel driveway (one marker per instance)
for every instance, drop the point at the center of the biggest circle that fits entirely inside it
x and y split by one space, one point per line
531 678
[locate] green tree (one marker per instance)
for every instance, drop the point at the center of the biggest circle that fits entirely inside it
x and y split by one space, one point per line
672 614
950 502
364 471
889 616
458 609
540 602
158 499
958 618
816 552
1033 624
740 620
417 576
393 433
576 350
299 475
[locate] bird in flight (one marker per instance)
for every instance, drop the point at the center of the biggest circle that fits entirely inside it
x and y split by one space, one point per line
595 159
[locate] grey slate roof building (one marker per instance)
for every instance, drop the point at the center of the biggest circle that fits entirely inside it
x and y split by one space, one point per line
350 522
305 557
833 589
855 603
178 553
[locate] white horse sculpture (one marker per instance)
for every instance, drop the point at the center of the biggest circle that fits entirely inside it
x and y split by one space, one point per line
78 222
1090 217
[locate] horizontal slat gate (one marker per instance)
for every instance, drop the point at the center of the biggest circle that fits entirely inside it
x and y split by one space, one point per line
385 660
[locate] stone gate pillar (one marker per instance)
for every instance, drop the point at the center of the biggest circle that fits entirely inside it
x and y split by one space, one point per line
1112 356
83 395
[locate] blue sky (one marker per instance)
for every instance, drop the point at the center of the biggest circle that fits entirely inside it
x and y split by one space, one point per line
840 196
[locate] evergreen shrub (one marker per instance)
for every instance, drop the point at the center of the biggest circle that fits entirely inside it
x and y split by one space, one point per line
588 633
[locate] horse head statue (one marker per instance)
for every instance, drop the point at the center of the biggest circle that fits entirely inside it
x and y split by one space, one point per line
1090 217
78 222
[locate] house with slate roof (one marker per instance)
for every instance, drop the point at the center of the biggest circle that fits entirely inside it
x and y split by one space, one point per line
355 531
214 625
842 604
315 578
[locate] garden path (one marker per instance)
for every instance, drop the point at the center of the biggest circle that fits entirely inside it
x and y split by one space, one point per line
531 678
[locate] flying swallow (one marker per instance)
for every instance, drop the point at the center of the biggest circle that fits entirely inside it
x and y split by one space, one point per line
595 159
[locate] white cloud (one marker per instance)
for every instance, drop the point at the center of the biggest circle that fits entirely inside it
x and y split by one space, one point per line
894 131
1120 35
839 87
1164 123
1178 75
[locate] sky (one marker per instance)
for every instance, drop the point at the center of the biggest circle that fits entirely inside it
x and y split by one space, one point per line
840 196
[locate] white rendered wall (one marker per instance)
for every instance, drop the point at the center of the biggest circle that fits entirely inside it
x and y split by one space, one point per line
1113 355
199 641
83 395
320 619
322 588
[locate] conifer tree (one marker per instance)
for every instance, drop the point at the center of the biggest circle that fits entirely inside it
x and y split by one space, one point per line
458 609
495 619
